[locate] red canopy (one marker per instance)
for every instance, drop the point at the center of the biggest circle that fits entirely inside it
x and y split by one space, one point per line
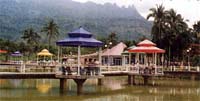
146 46
3 51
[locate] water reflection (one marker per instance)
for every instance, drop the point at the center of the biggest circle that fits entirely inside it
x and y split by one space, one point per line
113 84
113 89
2 81
44 86
16 82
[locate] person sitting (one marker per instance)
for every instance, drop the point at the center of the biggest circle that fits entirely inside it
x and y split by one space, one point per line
90 67
69 72
96 65
63 70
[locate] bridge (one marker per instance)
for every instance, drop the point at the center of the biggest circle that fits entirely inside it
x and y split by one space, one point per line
80 79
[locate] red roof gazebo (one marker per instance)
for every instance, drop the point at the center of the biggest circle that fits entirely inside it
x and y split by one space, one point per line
147 47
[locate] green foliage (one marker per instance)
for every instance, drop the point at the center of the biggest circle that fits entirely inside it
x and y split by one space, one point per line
69 15
51 30
196 33
170 31
196 60
30 36
112 37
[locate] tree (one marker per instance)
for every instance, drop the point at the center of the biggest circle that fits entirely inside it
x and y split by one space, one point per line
112 37
51 29
169 31
32 39
159 15
30 36
196 34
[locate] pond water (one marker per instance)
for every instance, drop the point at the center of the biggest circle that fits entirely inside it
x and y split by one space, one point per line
113 89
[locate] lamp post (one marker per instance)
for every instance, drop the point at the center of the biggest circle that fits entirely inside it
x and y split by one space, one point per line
108 46
188 51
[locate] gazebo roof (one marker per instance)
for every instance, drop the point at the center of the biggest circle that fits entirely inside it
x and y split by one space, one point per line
3 51
80 37
80 33
146 42
116 50
17 53
146 46
142 49
44 52
131 47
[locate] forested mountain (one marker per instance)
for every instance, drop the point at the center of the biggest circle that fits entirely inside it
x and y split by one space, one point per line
101 20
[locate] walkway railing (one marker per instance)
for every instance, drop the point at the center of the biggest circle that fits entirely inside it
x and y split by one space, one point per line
182 68
133 69
93 70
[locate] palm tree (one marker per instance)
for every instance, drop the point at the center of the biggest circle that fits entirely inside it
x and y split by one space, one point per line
196 35
159 15
32 38
176 27
112 37
51 29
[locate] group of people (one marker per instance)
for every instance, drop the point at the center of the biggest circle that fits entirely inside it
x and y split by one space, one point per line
143 69
90 67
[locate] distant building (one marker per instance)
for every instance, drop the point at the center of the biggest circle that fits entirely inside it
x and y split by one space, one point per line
113 56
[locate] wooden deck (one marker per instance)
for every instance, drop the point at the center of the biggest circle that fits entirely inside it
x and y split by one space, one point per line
181 73
78 77
192 74
13 75
115 73
43 75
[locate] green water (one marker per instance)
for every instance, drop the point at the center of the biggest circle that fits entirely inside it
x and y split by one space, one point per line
113 89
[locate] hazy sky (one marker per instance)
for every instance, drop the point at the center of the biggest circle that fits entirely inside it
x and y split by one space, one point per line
189 9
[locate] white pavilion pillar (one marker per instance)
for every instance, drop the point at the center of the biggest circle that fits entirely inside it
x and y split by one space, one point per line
123 60
129 59
155 63
137 57
79 62
51 60
37 59
58 54
162 61
145 59
100 60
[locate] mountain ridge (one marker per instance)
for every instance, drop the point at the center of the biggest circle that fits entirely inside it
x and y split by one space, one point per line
17 15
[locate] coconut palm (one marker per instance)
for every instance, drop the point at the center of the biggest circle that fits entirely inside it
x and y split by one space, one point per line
31 36
32 39
158 14
51 29
175 30
112 37
196 35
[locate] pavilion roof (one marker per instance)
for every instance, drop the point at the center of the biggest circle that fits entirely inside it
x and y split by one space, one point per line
80 37
116 50
44 52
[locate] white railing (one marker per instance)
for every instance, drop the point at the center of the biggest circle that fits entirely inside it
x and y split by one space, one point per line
182 68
